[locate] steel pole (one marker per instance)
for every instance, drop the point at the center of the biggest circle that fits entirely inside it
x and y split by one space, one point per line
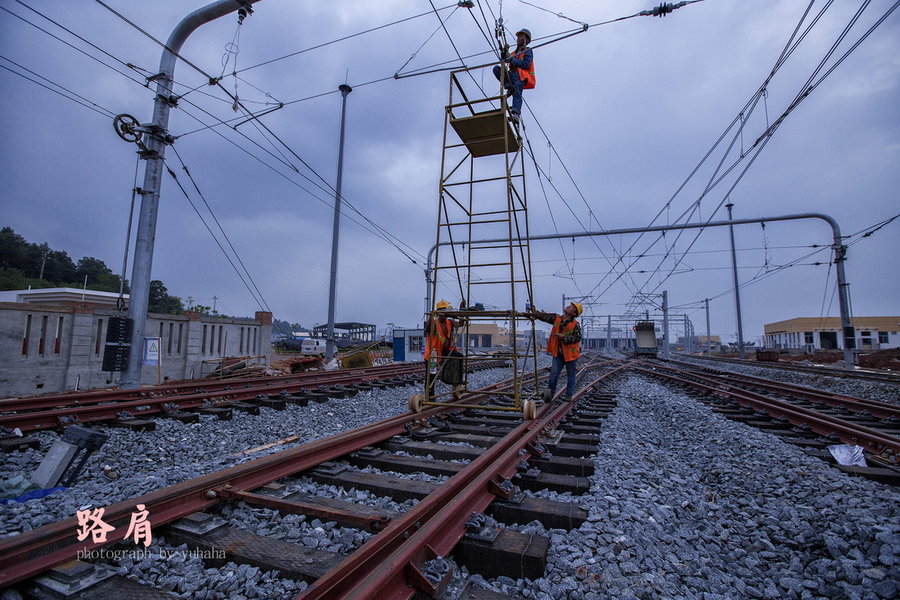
329 343
840 252
737 289
608 332
157 140
665 310
708 337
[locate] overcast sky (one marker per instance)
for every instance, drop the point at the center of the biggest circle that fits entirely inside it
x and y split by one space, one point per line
630 109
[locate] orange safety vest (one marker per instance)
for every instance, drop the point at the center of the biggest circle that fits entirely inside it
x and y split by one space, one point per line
437 339
570 351
526 77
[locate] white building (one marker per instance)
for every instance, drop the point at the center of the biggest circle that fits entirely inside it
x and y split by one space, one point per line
813 333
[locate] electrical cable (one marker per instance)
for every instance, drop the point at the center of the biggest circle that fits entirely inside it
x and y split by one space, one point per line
803 94
187 196
78 98
219 225
805 90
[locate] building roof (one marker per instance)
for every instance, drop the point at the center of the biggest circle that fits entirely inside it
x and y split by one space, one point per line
61 296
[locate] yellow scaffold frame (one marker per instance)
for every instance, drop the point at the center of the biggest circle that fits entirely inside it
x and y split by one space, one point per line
470 205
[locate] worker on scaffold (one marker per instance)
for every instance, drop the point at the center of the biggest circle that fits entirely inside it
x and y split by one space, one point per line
440 343
520 73
564 345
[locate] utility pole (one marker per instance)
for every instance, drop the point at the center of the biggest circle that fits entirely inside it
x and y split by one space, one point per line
737 290
157 139
608 332
708 338
215 299
665 310
329 342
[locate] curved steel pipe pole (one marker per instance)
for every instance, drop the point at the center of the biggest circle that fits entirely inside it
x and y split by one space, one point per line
737 287
157 140
840 252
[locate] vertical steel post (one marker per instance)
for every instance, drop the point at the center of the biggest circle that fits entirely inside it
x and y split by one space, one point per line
157 140
708 338
665 310
849 334
329 342
737 289
608 332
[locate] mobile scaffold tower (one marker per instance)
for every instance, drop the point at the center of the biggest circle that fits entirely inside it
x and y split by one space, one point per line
482 197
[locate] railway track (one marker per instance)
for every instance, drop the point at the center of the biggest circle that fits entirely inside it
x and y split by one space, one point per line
502 454
182 401
810 418
860 374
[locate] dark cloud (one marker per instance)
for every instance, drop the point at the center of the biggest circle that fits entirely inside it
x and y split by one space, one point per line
630 107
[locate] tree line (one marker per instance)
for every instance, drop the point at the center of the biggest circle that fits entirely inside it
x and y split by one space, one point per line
24 265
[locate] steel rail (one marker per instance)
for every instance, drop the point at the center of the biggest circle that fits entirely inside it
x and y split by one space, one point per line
188 387
47 419
880 444
390 565
868 375
28 554
878 409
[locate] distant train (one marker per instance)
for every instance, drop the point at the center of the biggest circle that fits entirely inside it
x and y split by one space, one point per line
645 338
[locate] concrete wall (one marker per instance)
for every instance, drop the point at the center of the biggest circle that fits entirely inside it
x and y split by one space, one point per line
46 349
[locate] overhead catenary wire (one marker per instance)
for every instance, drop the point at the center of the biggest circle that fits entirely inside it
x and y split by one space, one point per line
62 91
785 53
256 298
667 252
806 89
219 226
762 141
383 233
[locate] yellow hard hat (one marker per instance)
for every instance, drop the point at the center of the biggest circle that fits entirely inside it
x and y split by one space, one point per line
578 309
443 305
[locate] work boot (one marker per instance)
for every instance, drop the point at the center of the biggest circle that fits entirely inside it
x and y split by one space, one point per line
514 117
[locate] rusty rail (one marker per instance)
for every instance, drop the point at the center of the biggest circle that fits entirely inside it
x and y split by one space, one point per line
108 409
851 403
28 554
880 444
391 564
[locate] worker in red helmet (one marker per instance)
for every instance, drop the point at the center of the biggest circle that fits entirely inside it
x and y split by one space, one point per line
564 345
520 74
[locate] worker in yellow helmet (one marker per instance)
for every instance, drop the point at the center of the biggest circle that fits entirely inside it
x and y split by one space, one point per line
441 341
564 345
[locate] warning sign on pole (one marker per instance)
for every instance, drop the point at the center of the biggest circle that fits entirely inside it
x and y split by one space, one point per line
151 351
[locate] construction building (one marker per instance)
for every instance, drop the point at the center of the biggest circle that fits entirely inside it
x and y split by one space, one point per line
53 340
808 334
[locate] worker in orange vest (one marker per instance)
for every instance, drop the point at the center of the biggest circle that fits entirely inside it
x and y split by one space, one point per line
520 75
564 345
440 342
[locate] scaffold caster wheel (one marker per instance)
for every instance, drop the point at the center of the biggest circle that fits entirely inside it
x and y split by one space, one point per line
546 396
529 410
415 403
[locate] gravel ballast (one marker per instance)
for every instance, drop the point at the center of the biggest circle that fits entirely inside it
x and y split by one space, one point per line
686 504
858 388
133 463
